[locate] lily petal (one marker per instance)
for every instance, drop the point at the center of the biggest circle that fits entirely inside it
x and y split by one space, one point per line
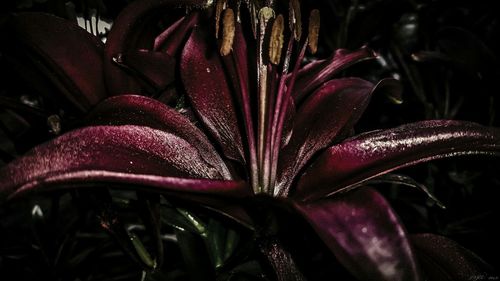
144 111
132 31
379 152
208 90
155 69
443 259
171 39
208 193
129 151
311 76
365 235
35 39
322 119
198 188
238 70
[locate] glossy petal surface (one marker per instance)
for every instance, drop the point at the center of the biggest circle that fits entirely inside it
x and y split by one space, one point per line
208 90
144 111
375 153
325 117
365 235
129 151
311 76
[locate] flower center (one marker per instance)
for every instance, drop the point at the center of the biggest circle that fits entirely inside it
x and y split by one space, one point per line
274 81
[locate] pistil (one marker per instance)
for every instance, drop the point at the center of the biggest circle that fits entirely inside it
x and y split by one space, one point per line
265 15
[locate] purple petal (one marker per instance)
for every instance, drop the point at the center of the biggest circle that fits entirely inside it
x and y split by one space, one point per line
134 29
185 187
55 47
443 259
322 119
156 69
170 40
208 90
144 111
311 76
237 67
379 152
106 153
211 194
365 235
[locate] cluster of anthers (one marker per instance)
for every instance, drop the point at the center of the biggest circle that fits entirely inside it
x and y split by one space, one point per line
261 16
268 29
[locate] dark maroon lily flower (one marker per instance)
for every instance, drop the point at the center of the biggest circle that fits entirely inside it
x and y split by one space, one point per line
276 129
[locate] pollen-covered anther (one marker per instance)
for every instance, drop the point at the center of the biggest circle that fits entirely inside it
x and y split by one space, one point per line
314 23
221 4
276 40
295 20
265 14
228 29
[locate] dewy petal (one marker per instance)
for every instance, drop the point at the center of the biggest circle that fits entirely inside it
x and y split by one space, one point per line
55 48
365 235
127 150
322 119
311 76
379 152
209 93
144 111
133 30
444 260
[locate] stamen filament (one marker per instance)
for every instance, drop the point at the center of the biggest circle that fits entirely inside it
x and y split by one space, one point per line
265 14
274 97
